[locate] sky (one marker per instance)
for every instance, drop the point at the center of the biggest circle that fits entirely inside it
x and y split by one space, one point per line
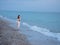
31 5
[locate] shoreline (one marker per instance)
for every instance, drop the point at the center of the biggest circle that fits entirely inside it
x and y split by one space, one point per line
9 35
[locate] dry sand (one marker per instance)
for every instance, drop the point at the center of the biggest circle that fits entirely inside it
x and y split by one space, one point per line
10 36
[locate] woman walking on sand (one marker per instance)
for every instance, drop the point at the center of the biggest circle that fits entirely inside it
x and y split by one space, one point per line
18 21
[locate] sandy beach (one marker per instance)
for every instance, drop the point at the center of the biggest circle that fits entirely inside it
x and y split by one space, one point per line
10 35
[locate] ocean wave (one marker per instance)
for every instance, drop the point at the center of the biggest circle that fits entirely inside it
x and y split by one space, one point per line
6 18
43 31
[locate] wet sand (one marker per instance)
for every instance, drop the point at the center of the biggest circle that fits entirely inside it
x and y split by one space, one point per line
36 38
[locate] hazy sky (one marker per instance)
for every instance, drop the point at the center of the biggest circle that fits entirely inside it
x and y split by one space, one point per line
31 5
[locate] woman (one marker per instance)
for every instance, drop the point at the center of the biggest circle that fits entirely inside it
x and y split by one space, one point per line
18 21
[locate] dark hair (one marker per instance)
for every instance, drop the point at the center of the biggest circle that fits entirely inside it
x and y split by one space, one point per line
18 16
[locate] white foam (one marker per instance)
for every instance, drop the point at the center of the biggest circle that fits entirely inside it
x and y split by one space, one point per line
43 31
13 22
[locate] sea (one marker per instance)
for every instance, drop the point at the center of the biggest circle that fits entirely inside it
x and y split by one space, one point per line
47 23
